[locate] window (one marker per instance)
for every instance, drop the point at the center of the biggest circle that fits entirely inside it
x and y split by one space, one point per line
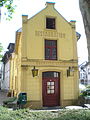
51 74
82 81
50 50
88 70
0 75
50 23
50 87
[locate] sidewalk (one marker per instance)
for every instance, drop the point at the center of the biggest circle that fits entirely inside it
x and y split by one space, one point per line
3 96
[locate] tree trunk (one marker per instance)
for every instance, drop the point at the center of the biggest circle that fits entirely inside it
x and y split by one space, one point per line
85 11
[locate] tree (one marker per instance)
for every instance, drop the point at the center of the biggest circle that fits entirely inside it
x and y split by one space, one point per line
8 4
85 10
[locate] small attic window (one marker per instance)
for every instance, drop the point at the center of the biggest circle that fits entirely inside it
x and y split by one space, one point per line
50 23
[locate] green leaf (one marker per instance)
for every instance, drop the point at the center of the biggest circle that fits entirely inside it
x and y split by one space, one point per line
8 4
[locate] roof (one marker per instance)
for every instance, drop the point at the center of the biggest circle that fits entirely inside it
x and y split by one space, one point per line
84 65
19 30
6 56
50 3
8 53
10 45
78 35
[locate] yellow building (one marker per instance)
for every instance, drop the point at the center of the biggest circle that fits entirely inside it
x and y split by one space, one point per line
46 43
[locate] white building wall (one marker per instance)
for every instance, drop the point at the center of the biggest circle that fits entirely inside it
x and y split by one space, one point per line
88 74
2 79
85 74
5 82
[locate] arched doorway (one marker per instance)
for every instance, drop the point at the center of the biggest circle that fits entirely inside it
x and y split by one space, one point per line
51 88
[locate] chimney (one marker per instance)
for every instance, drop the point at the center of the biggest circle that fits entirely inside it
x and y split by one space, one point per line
50 4
24 18
73 23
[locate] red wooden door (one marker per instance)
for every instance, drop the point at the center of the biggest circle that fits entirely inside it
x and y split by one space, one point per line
51 89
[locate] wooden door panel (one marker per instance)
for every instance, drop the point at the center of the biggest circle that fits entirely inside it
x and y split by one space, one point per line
50 91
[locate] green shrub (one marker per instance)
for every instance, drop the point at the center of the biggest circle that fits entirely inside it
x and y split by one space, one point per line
73 115
85 93
26 114
8 100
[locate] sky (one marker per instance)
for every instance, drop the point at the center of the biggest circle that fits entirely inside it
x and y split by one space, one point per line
69 9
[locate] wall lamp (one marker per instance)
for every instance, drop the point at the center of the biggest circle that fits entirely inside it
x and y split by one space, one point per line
70 71
34 72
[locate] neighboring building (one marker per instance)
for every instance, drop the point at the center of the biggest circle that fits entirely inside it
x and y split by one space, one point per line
85 73
5 82
46 44
0 77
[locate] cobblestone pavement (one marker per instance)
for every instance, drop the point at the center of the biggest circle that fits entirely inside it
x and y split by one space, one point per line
3 96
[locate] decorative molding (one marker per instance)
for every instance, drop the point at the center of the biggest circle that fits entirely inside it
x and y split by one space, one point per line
50 34
25 67
42 60
48 64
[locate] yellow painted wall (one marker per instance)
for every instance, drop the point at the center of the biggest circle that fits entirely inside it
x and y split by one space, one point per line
33 86
30 52
15 67
35 50
11 71
18 63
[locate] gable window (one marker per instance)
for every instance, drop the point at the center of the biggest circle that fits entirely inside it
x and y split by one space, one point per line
50 23
50 50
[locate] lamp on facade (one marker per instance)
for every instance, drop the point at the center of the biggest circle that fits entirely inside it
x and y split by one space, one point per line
34 72
70 71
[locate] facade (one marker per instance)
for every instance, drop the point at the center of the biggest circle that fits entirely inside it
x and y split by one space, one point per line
5 80
85 73
46 43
